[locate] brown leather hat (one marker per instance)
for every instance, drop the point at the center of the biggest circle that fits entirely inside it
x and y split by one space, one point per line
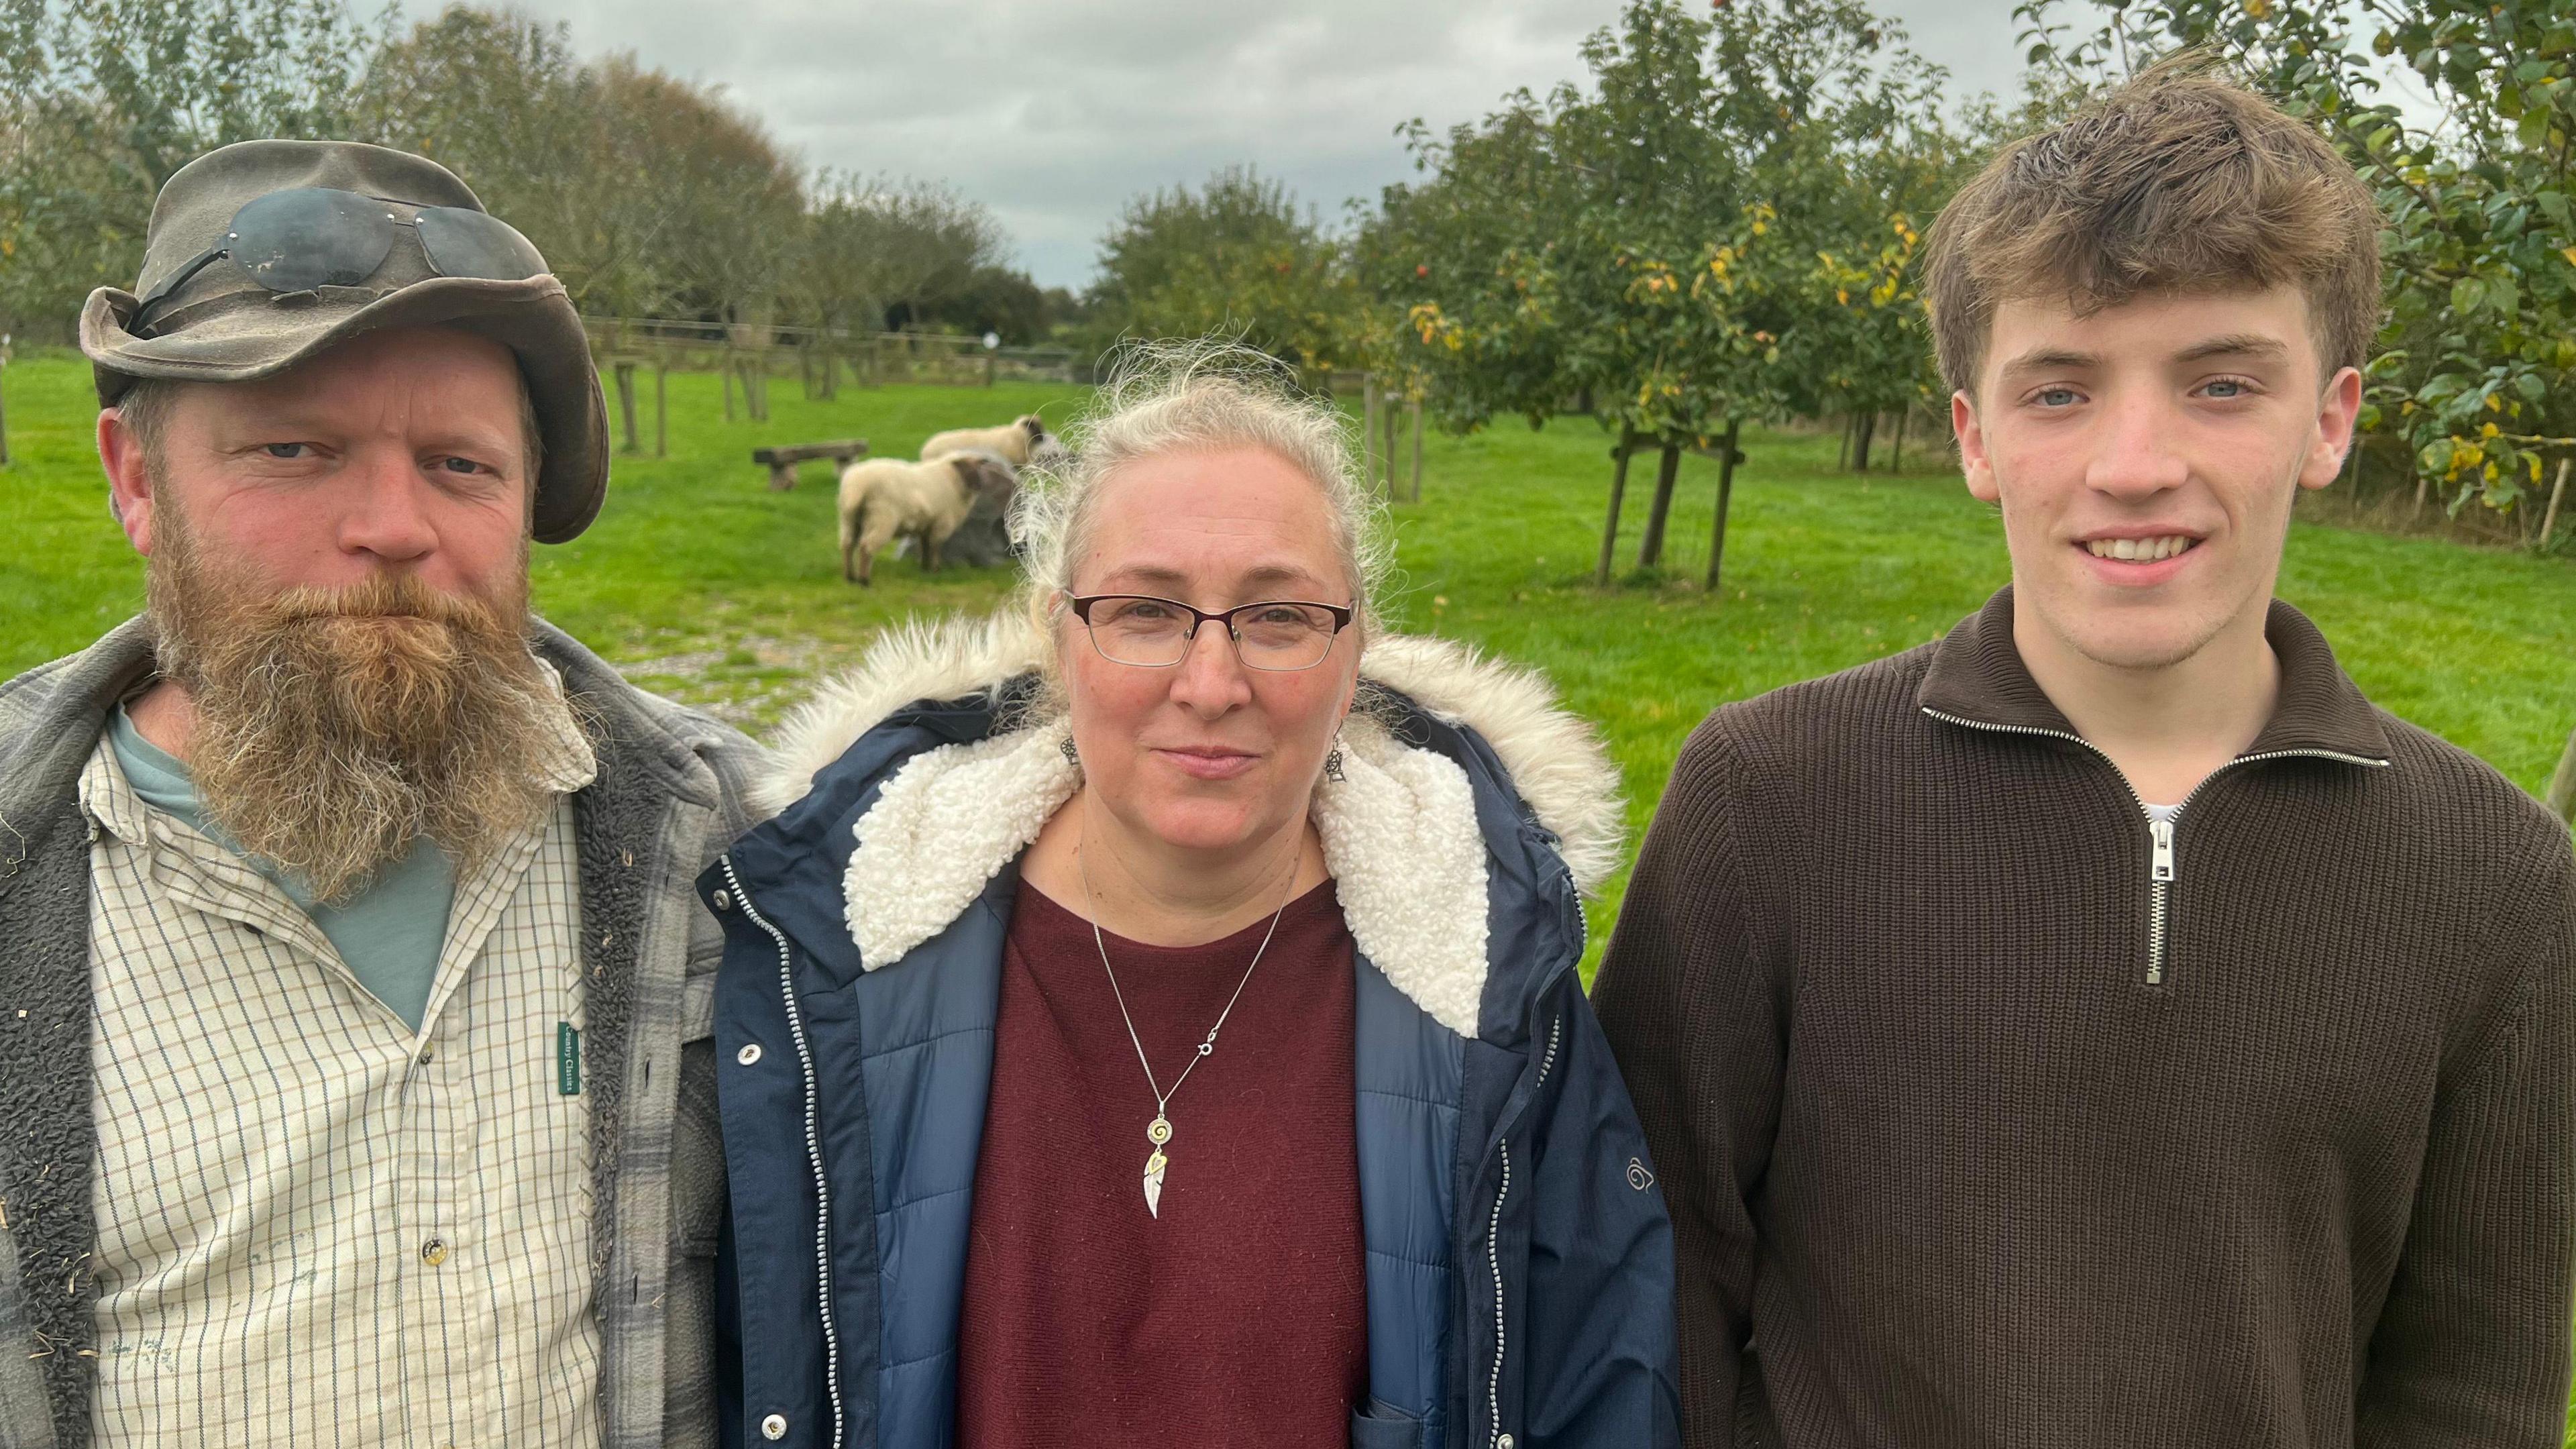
222 324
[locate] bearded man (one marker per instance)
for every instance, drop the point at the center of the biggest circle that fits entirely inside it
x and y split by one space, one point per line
354 1072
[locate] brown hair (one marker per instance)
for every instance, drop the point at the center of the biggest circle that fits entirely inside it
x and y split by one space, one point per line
2181 180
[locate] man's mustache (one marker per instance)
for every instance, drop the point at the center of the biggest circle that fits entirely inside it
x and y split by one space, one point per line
381 596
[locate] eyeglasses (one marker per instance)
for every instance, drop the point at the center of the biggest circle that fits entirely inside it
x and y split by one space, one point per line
1281 635
317 236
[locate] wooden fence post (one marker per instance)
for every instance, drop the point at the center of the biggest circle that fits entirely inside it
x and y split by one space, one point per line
1618 488
728 369
1651 552
1725 496
4 410
661 406
2562 786
626 404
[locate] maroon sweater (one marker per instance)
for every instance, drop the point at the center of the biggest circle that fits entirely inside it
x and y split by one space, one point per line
1240 1315
1976 1131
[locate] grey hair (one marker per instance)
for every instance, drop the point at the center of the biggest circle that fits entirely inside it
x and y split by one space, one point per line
1171 396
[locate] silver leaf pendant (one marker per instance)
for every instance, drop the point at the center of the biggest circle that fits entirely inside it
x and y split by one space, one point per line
1154 1183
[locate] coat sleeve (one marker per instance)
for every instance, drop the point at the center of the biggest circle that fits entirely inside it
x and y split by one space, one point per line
2471 1347
1600 1307
1695 1002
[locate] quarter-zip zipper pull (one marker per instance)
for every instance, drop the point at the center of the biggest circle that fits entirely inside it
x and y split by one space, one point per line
2162 832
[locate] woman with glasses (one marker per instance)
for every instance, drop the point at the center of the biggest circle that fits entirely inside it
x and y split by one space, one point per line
1153 1017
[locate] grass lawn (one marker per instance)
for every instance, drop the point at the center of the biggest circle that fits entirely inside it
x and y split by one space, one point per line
703 584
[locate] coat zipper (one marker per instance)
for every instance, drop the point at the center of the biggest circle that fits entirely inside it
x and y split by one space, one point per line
1494 1246
2161 873
813 1146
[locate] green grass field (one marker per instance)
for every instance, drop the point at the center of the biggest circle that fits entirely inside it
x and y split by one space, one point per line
703 584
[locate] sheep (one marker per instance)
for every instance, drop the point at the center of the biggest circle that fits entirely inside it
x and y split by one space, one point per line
984 539
1014 440
883 497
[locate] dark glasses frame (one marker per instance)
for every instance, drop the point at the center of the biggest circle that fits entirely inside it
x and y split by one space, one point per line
314 236
1342 616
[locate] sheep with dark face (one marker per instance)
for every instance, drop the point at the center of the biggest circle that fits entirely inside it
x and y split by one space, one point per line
1016 440
882 498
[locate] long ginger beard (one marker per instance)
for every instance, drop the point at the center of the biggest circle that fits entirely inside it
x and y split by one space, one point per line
334 727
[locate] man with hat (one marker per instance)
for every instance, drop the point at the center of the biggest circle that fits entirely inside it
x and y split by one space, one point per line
354 1074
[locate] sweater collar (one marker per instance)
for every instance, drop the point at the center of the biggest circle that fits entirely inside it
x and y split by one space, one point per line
1977 676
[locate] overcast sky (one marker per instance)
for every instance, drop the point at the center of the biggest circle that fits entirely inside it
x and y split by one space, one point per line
1054 112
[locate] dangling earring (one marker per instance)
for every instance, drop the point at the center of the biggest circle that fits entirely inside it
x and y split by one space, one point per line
1333 766
1071 756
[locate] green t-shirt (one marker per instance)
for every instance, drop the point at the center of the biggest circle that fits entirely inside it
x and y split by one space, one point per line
389 934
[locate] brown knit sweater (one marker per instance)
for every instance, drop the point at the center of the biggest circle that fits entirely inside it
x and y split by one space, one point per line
1975 1133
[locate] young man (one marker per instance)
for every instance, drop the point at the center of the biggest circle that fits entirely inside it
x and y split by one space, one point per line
354 1074
2102 1026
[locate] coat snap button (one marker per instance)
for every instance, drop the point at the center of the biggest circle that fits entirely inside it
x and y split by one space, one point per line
1502 1441
749 1054
724 902
774 1427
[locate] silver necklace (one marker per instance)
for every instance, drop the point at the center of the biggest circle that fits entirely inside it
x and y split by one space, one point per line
1159 1131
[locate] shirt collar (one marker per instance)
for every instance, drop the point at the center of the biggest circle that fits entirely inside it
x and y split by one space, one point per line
1977 675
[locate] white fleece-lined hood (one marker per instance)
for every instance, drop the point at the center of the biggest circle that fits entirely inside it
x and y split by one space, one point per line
1399 831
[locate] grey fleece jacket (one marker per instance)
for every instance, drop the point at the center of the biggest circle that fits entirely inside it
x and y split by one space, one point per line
671 794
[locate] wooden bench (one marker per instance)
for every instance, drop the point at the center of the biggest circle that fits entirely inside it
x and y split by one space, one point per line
781 462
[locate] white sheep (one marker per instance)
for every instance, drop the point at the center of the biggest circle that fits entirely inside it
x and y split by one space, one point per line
1014 441
884 497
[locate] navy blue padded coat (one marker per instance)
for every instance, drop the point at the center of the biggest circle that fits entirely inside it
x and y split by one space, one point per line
1519 1257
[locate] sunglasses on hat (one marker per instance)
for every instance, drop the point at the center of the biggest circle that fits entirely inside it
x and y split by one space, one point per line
319 236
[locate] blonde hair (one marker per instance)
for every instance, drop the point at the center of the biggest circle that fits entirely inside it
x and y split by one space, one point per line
1166 397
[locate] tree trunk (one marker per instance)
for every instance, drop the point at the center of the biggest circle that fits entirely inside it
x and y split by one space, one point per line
1861 436
2562 786
1618 488
1415 407
1651 552
1896 464
1725 497
1851 430
626 404
1369 405
1394 421
2557 495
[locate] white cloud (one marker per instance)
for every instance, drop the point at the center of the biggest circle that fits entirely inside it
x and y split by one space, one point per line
1054 112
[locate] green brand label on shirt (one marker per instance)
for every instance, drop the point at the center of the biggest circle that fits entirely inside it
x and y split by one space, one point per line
567 1059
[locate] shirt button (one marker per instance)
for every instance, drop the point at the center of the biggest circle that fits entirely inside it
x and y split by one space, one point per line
428 1054
774 1427
748 1055
434 1252
724 902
